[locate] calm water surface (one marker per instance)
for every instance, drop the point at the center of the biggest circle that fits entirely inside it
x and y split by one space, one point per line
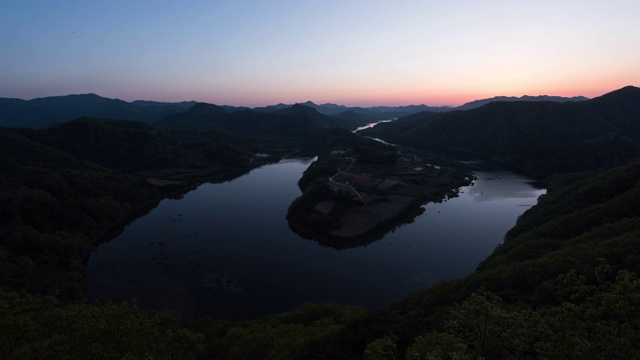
225 250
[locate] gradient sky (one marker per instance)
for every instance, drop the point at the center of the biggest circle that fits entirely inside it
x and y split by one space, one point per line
367 52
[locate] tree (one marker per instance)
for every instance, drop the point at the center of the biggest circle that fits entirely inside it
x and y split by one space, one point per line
492 329
435 346
384 348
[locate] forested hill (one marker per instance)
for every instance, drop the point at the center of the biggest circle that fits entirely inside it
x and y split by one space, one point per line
113 143
540 138
297 125
134 145
48 111
52 207
563 285
202 117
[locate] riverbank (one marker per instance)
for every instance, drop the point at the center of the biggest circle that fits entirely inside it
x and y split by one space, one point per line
239 228
174 185
352 197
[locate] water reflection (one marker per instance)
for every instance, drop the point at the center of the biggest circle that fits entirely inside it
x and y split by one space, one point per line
301 161
226 250
499 185
370 125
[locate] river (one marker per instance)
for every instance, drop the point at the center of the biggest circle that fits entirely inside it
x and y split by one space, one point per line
226 250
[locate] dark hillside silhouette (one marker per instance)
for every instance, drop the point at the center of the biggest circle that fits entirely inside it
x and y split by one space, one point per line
540 138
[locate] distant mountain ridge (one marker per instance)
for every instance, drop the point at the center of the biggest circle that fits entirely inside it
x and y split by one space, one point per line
49 111
149 103
377 112
478 103
537 137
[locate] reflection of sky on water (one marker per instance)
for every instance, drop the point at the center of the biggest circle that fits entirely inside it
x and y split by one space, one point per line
503 185
370 125
301 161
226 250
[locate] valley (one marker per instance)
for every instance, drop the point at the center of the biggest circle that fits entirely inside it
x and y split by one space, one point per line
557 271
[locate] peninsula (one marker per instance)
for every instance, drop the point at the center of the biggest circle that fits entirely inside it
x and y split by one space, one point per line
359 189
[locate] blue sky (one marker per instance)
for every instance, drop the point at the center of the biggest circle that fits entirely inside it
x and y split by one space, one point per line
350 52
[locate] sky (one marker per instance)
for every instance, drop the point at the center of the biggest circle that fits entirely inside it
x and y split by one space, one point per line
351 52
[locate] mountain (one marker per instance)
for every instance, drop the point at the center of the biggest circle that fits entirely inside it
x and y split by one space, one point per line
296 126
270 108
120 144
48 111
53 206
482 102
202 117
392 112
376 113
355 118
198 117
328 108
18 113
540 138
150 103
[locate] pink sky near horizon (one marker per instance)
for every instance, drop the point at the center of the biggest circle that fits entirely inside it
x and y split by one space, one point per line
355 53
363 99
396 98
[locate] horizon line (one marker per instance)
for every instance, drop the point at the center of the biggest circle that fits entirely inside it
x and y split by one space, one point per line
318 103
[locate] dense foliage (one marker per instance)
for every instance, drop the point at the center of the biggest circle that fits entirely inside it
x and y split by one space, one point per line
41 328
563 258
53 207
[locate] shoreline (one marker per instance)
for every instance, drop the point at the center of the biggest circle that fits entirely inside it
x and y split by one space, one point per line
349 200
175 190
